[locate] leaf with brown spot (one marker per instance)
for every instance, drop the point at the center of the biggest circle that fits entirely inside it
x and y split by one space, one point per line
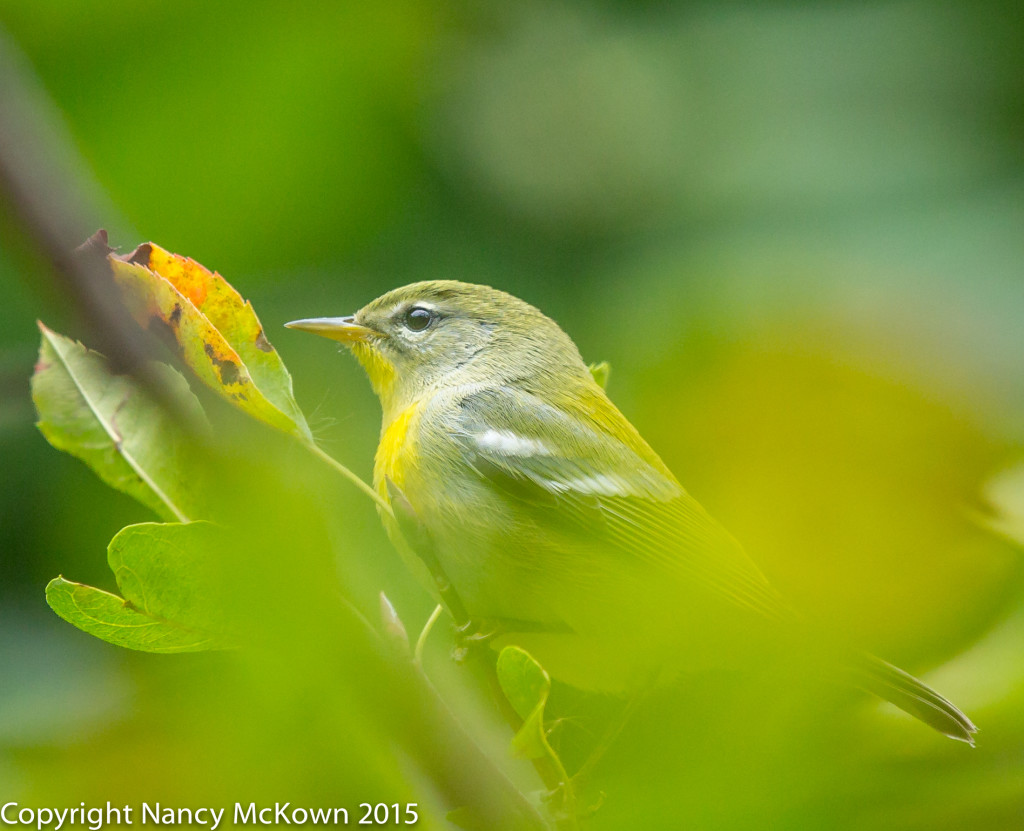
215 331
233 317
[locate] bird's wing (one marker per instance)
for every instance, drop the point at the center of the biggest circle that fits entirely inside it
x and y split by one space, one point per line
574 469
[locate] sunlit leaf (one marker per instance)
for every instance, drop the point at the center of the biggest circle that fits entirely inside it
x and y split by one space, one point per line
110 423
214 331
233 317
115 620
173 593
526 685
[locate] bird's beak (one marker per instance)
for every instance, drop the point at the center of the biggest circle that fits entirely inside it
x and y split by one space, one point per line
343 329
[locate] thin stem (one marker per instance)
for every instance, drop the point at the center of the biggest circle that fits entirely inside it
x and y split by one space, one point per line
421 641
348 474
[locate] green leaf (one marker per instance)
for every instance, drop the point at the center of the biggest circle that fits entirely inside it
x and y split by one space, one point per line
174 590
113 426
526 685
175 571
601 373
215 332
115 620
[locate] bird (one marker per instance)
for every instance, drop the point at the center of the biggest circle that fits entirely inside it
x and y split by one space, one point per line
550 518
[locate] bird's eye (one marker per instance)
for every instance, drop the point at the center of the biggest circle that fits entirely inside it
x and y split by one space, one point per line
417 318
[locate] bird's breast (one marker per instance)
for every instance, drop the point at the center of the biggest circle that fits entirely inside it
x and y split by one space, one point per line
396 451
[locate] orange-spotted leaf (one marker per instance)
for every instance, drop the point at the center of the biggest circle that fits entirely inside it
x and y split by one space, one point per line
214 331
232 315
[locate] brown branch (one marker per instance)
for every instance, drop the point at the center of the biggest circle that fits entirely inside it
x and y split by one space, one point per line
47 209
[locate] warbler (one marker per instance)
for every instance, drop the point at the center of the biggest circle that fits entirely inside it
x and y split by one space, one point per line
547 511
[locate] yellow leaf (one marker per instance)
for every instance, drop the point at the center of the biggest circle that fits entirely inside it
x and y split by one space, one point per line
214 331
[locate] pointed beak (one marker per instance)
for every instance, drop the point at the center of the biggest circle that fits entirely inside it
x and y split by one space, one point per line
343 329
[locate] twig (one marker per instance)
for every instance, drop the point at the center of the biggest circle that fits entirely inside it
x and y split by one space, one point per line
348 474
49 211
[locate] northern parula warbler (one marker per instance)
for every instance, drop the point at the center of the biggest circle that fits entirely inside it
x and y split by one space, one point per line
549 513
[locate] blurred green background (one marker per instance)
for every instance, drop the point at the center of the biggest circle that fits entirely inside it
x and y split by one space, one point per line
796 231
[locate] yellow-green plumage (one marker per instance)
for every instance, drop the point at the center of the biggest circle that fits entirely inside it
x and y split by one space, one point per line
549 512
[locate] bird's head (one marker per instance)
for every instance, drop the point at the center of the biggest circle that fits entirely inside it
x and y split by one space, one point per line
427 335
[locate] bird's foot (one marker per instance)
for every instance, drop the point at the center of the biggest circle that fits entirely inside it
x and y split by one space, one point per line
474 634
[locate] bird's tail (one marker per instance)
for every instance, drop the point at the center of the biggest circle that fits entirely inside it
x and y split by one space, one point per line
913 697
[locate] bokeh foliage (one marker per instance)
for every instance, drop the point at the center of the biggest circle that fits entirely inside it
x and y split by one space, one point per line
793 230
